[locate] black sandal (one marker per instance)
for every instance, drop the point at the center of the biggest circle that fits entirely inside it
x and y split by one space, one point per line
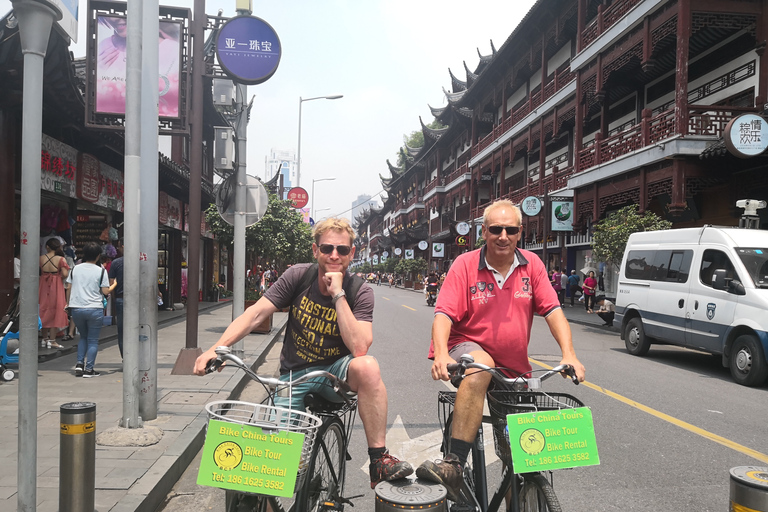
67 337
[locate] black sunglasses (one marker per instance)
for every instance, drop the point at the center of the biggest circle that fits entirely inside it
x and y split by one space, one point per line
511 230
343 250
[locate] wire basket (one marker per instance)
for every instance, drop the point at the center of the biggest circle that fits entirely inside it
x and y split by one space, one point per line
503 402
270 419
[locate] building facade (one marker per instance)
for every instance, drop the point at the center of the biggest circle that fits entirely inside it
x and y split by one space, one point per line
281 161
590 105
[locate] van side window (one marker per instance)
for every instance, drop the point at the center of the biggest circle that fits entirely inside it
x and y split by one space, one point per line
640 265
667 265
712 260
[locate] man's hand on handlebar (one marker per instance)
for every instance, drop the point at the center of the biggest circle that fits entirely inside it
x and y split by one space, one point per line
202 363
439 367
577 366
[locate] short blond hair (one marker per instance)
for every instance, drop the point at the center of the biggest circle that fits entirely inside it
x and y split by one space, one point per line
333 224
502 203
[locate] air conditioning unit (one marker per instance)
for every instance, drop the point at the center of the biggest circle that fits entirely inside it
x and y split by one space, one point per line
223 148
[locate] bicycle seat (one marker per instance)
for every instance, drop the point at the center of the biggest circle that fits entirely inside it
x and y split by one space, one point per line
316 402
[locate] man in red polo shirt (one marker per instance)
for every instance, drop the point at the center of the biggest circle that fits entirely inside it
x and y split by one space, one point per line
485 309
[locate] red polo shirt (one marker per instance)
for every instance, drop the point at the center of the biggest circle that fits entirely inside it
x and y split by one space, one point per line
499 320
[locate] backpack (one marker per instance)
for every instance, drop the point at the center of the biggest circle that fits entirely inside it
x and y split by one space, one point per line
351 289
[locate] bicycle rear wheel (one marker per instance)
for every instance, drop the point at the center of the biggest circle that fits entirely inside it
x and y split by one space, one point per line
537 494
325 475
240 502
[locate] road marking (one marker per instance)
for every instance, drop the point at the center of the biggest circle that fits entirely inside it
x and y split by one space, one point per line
671 419
385 298
408 307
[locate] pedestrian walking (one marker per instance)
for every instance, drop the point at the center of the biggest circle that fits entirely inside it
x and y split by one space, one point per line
590 285
573 285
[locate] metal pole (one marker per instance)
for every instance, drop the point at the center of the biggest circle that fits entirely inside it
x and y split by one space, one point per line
298 153
35 20
312 197
147 340
77 457
238 260
131 267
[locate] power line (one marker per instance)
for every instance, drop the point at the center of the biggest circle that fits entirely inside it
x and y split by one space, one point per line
352 208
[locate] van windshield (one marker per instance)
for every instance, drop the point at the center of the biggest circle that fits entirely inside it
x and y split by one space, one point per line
756 262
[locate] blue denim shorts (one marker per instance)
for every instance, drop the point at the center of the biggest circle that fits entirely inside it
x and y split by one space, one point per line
294 398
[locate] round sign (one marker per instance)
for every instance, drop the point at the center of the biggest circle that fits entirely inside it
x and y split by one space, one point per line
298 196
398 251
385 253
531 206
462 228
423 245
248 50
462 241
385 232
256 200
746 135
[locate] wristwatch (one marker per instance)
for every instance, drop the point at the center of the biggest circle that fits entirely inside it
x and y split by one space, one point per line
339 295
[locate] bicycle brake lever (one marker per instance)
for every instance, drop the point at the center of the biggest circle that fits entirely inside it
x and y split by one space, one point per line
571 372
213 365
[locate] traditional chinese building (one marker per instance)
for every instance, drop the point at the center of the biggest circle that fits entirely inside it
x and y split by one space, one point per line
592 105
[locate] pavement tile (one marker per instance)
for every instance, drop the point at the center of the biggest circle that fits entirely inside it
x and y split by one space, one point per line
128 478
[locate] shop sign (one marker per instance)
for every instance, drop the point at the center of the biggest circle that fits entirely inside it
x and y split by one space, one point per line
58 167
438 250
562 215
398 251
384 257
173 213
111 188
746 136
298 196
162 208
385 253
376 260
462 241
423 245
462 228
531 206
248 50
409 254
88 178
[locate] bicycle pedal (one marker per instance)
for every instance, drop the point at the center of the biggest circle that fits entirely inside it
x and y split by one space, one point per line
329 506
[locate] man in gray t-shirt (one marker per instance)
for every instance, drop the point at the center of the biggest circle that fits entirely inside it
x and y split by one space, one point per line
325 333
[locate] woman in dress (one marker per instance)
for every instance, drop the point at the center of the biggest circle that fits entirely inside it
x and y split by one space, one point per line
589 286
53 270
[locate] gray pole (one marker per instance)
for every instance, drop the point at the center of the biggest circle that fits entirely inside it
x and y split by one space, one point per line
238 258
298 152
131 267
35 20
149 214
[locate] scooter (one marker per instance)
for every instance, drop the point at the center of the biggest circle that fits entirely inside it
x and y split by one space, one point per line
431 294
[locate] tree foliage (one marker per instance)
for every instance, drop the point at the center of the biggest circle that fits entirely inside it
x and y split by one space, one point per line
610 235
415 140
281 237
409 267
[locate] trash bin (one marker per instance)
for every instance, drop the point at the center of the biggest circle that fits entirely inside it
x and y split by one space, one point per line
749 489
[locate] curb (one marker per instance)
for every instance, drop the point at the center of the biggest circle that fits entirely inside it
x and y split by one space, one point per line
184 449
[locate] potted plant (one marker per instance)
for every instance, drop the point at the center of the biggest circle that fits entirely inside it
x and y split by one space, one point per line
252 296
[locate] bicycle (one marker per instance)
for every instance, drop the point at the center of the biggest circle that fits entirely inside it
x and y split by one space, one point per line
531 492
326 426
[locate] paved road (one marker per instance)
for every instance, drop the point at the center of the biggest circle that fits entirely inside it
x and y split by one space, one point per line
669 426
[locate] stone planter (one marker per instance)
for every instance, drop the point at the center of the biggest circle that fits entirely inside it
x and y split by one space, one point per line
265 326
418 286
407 284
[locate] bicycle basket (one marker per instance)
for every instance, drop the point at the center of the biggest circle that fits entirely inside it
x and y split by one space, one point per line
504 402
271 419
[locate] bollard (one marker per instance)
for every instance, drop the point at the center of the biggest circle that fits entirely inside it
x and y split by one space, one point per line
749 489
408 494
77 457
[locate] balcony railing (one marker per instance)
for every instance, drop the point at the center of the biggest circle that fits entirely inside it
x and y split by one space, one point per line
464 169
412 201
431 185
605 19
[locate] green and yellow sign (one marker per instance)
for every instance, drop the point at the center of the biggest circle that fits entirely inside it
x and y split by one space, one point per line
546 440
245 458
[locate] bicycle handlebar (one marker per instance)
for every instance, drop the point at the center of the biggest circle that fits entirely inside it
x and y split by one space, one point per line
224 354
518 383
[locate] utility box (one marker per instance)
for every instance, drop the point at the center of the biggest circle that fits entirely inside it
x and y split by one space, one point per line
223 148
223 92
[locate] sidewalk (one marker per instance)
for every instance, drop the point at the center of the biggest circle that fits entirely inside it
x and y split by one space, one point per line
127 479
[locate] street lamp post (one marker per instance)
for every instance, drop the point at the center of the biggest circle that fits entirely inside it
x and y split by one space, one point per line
312 196
298 155
320 210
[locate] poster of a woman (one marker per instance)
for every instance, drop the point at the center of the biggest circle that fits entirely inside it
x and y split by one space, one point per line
110 68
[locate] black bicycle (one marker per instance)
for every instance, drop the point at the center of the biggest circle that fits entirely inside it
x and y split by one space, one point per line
327 426
529 492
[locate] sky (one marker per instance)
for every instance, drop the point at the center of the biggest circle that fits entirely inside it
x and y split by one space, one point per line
390 60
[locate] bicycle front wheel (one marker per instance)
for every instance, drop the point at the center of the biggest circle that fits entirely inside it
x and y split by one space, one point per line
241 502
537 494
325 474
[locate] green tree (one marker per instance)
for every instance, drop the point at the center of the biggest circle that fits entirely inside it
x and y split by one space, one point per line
611 234
415 140
281 237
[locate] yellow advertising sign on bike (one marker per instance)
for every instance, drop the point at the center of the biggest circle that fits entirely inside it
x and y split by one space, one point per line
557 439
248 459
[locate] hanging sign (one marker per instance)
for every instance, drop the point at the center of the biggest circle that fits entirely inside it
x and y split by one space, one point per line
398 251
462 241
248 50
531 206
438 250
298 196
423 245
409 254
746 136
462 228
562 215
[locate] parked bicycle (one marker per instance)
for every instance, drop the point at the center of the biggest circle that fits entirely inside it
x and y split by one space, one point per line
529 492
327 426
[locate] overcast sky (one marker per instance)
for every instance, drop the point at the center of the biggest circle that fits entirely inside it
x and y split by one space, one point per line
390 60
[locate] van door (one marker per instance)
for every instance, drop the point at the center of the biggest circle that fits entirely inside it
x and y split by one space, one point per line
710 312
669 284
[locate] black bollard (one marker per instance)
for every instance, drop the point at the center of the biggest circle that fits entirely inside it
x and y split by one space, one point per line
77 457
749 489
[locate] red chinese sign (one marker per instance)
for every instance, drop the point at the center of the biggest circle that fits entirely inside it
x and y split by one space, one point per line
462 241
298 196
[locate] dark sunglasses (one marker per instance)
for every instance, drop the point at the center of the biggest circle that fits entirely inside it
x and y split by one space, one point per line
511 230
343 250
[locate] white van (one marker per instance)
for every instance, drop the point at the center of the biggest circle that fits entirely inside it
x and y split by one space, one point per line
702 288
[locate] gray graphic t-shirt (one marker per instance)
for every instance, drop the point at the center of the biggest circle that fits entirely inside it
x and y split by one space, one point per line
312 337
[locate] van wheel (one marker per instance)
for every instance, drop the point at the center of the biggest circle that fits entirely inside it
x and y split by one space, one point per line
636 341
747 361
